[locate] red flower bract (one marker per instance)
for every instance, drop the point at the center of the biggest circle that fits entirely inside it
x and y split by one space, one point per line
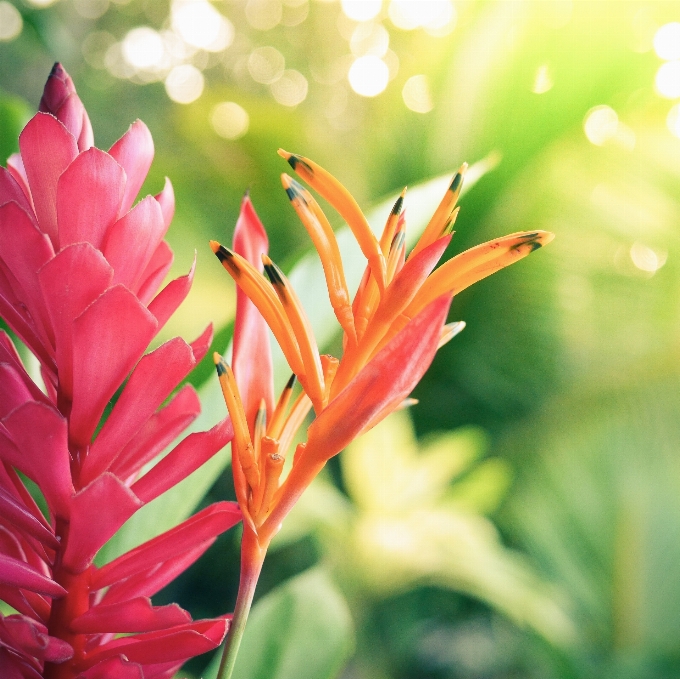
80 268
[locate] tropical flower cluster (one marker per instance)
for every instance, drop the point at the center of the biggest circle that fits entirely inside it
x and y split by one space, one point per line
80 269
392 329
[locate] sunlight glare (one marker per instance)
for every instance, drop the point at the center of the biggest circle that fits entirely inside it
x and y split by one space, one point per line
199 24
368 76
667 41
601 124
143 48
361 10
543 81
667 80
647 259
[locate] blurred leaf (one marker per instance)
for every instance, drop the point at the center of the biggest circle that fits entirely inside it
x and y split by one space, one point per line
301 630
14 114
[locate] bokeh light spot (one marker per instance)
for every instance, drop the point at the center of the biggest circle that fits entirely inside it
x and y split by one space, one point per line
667 41
369 38
264 14
647 259
266 65
543 81
601 124
184 84
143 47
201 25
368 76
230 120
416 94
667 80
673 120
433 15
11 22
91 9
41 3
361 10
291 88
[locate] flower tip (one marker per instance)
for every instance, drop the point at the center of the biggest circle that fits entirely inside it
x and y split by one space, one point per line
284 154
286 180
215 246
545 237
216 357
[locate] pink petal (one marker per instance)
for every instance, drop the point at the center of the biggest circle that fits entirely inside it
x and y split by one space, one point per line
109 337
10 481
89 195
70 282
202 343
183 460
97 512
24 249
180 643
27 603
155 272
12 667
39 433
32 639
20 574
8 354
134 153
150 581
203 526
161 429
252 361
14 391
132 240
116 667
166 302
380 386
150 383
60 99
47 149
20 518
15 166
166 198
10 190
136 615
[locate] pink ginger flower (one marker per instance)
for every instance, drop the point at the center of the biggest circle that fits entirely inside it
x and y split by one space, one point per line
80 268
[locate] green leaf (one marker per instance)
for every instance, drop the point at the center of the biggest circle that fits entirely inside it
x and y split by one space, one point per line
301 630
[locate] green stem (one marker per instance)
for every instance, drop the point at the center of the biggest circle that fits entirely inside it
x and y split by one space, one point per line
252 556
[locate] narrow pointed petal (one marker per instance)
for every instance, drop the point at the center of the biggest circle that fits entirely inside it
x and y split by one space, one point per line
152 580
201 344
341 199
151 382
154 273
477 263
203 526
116 667
47 149
252 361
31 638
97 512
132 240
27 603
134 153
66 301
166 199
39 434
184 459
161 429
20 574
386 380
134 616
109 337
89 194
175 644
167 301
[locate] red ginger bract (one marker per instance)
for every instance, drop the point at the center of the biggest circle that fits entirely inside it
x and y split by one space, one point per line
80 268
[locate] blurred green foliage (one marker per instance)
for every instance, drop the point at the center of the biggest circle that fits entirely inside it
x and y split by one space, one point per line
570 360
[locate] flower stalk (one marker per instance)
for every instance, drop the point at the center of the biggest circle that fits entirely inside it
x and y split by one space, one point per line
392 330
